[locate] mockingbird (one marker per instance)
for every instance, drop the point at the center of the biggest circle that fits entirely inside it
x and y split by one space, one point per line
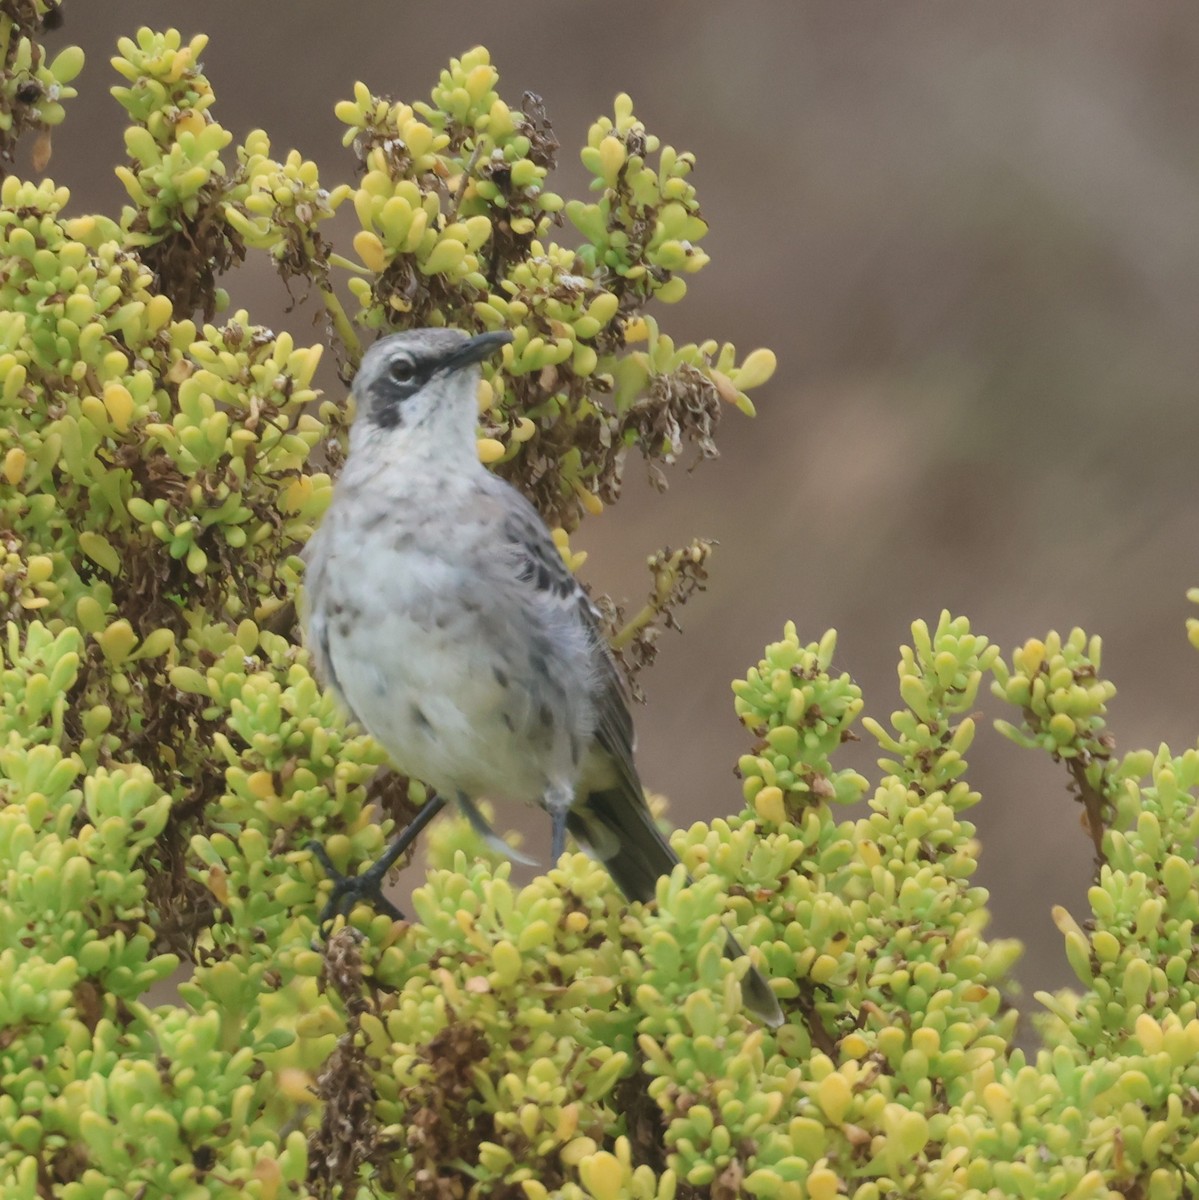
442 614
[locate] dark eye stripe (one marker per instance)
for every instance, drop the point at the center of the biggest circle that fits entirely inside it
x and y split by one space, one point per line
391 393
422 371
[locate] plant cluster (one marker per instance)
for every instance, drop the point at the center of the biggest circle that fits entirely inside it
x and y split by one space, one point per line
166 754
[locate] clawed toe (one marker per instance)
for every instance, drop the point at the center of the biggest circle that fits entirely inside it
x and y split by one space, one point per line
367 886
349 890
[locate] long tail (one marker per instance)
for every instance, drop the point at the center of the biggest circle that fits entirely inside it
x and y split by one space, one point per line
619 827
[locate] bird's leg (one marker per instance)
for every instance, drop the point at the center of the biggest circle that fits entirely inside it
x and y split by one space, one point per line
479 823
368 884
558 842
558 802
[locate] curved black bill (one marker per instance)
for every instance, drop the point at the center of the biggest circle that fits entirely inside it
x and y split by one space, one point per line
476 349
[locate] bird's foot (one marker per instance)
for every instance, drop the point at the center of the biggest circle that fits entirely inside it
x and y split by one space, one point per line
349 890
367 885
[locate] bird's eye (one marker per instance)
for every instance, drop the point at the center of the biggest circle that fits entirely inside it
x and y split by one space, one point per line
402 370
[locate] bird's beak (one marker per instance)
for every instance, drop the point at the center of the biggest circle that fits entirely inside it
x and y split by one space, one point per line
475 349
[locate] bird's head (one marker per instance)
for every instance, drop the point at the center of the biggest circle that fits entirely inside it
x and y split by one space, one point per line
422 381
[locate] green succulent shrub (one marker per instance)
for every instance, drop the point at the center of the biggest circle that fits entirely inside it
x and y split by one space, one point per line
166 755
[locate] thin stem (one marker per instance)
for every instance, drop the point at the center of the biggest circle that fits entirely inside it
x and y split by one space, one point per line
341 324
631 628
460 192
664 582
1093 804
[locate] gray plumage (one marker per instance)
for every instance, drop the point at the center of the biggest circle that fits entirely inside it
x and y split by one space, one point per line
441 612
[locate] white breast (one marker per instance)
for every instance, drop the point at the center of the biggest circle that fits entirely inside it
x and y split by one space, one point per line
435 663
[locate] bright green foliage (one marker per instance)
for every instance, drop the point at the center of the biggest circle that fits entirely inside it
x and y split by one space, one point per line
456 228
166 755
802 716
1057 686
32 89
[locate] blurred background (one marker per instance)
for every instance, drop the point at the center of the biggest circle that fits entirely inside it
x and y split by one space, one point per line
970 234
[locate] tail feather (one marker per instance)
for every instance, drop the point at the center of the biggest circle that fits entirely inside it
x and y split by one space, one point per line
619 826
621 830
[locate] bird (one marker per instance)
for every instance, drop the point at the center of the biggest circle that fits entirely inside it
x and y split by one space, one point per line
441 613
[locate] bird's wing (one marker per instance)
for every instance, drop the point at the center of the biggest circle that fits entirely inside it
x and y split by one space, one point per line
539 566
